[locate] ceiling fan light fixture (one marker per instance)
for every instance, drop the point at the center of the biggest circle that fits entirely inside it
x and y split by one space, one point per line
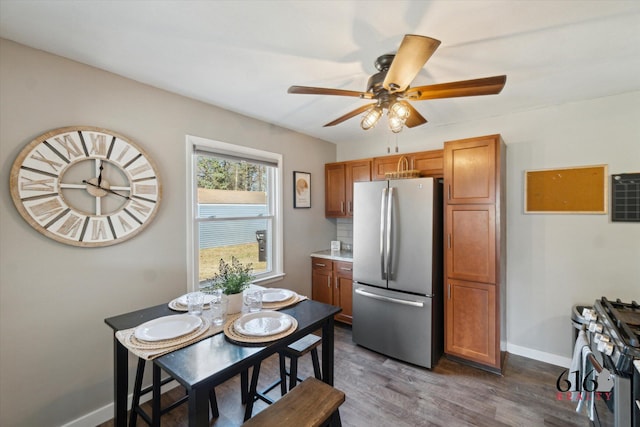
400 109
371 118
396 124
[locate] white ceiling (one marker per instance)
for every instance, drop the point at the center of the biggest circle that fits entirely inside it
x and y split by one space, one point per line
243 55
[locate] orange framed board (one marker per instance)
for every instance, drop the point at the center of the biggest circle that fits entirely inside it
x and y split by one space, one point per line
581 189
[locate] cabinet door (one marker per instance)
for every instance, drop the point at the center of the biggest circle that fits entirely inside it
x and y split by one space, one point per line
342 297
470 170
429 163
321 280
470 318
382 165
357 171
335 190
471 242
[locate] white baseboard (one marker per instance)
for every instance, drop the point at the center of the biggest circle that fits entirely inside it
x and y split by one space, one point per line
541 356
105 413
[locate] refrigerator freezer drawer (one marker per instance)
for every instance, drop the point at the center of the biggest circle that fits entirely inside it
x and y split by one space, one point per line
393 323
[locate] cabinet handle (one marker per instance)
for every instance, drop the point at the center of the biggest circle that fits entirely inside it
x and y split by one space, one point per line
341 206
329 282
345 268
449 240
449 192
349 206
337 283
320 265
449 287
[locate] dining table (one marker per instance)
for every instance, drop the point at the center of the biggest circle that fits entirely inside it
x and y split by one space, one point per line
201 366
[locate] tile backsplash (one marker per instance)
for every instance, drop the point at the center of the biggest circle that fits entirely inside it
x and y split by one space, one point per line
345 231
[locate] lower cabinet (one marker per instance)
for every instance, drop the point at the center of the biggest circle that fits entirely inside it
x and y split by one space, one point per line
470 319
332 283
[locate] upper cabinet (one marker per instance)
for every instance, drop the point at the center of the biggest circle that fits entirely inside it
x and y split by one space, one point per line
470 170
339 179
429 163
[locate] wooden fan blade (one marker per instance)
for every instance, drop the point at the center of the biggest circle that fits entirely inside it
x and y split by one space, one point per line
475 87
350 114
413 53
307 90
415 118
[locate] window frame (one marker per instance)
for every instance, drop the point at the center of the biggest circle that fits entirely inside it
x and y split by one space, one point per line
194 143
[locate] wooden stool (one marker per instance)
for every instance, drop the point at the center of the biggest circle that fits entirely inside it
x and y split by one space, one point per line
138 392
311 404
293 351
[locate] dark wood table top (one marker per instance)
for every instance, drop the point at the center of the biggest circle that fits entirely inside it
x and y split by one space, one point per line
215 359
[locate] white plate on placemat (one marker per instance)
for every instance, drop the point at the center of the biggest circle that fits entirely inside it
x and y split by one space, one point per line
183 299
276 295
168 327
263 323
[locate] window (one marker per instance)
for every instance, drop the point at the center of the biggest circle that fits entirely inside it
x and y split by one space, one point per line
235 209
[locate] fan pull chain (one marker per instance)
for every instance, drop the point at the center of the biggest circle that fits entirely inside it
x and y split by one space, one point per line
395 135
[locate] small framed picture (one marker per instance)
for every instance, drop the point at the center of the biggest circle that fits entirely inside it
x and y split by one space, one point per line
301 189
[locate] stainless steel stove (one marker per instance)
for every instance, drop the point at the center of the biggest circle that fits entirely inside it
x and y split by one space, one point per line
614 332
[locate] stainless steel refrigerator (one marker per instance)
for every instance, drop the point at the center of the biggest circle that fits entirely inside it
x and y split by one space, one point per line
397 268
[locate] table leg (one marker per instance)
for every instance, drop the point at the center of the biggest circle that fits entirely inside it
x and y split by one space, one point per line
327 351
120 383
198 407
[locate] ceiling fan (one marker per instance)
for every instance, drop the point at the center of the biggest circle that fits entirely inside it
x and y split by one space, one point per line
390 87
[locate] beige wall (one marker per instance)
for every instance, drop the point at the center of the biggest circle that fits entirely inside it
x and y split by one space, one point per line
55 350
553 261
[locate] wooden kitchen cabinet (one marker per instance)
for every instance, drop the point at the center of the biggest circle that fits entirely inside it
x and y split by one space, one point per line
339 179
471 332
429 163
470 170
471 241
343 290
321 280
475 243
332 283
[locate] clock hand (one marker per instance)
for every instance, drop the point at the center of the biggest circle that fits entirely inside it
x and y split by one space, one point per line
100 175
84 181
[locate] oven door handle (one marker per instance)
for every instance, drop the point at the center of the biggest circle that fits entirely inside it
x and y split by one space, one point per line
594 362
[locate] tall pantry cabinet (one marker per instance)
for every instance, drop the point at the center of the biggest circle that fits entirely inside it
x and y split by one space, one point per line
475 244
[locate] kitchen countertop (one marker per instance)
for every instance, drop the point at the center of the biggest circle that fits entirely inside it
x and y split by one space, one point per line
334 255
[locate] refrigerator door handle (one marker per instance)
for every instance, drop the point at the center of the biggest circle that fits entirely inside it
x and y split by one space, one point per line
389 236
389 299
383 264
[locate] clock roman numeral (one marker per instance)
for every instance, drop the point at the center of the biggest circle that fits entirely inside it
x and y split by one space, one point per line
47 209
39 157
28 184
98 144
70 226
70 145
98 231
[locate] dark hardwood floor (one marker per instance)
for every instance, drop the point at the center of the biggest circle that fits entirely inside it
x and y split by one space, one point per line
385 392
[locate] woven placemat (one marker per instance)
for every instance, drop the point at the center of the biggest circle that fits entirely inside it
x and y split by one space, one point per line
237 338
177 306
150 350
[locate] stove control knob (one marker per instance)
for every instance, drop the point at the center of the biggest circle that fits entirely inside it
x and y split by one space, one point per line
595 327
606 348
601 338
589 314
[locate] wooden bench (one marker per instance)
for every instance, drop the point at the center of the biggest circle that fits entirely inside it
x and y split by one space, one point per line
312 403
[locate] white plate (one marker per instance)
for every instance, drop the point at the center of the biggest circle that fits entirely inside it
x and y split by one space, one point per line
183 299
168 327
263 323
276 295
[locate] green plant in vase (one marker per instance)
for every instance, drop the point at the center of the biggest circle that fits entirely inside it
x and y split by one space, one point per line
233 278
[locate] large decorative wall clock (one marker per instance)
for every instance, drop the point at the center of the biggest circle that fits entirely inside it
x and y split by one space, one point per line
85 186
